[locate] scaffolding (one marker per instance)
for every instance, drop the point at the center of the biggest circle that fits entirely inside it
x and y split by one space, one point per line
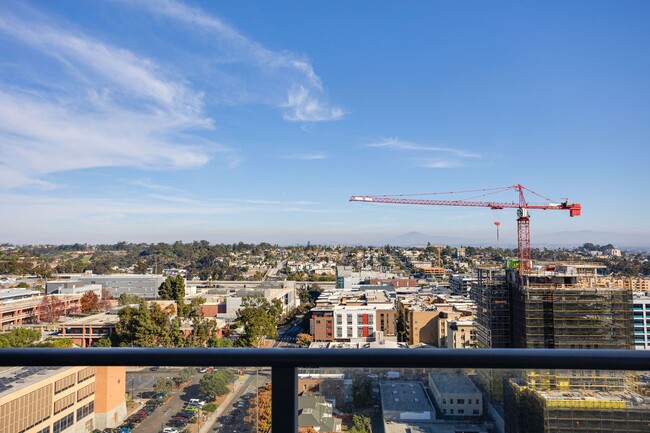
535 411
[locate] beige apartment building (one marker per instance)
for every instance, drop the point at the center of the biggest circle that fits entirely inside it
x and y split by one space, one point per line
61 399
424 319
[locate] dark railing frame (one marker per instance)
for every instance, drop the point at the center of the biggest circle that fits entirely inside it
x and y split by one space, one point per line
285 362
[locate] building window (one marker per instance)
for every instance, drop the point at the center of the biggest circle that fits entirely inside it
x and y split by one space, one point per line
451 401
451 411
460 401
475 411
63 423
477 402
461 411
85 410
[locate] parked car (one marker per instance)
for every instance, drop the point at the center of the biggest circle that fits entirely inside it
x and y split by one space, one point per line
169 430
154 368
198 402
176 423
160 395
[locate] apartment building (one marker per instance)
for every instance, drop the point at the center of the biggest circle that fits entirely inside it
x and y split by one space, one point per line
461 334
424 318
61 399
352 316
462 284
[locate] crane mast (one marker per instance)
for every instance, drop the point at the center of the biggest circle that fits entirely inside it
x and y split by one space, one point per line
522 206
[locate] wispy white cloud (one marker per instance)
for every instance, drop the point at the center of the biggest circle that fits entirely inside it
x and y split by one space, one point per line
394 143
306 156
106 107
439 163
288 81
148 184
419 155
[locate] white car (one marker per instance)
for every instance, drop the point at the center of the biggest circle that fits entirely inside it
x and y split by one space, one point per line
169 430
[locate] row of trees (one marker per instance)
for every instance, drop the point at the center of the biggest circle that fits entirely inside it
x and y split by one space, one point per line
149 325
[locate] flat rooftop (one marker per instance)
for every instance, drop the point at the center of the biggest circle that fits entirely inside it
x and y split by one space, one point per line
405 397
443 427
453 383
95 319
15 378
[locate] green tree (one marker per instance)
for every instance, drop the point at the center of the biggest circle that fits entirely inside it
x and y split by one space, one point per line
163 385
148 325
360 424
21 337
260 319
220 342
22 285
173 288
214 385
129 299
104 342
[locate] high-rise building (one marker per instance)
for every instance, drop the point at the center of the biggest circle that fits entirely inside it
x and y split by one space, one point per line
567 306
563 309
491 294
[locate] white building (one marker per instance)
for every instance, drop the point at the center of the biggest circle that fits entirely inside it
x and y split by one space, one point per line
641 311
455 395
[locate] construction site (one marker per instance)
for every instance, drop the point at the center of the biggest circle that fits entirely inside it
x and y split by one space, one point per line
575 410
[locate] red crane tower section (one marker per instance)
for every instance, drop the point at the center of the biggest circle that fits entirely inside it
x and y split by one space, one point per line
522 206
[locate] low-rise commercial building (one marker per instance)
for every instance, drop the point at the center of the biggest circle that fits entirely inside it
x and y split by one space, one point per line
455 395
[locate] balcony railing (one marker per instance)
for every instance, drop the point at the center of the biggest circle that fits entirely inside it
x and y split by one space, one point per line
285 362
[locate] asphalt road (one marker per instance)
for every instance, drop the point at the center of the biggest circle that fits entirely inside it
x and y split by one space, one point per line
155 422
231 419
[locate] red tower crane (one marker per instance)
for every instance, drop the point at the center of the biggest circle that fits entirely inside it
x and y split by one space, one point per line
523 218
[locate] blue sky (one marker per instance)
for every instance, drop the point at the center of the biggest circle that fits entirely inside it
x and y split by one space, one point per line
169 120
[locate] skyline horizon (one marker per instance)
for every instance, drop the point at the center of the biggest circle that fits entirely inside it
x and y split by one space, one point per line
134 120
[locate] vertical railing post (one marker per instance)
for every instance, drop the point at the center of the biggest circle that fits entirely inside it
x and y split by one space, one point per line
284 399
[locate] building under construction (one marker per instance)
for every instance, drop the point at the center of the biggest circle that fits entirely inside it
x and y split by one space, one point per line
566 306
491 294
573 411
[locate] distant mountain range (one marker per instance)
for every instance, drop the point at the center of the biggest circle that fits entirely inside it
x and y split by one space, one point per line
557 239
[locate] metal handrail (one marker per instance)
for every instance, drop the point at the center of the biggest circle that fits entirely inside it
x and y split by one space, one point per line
285 362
